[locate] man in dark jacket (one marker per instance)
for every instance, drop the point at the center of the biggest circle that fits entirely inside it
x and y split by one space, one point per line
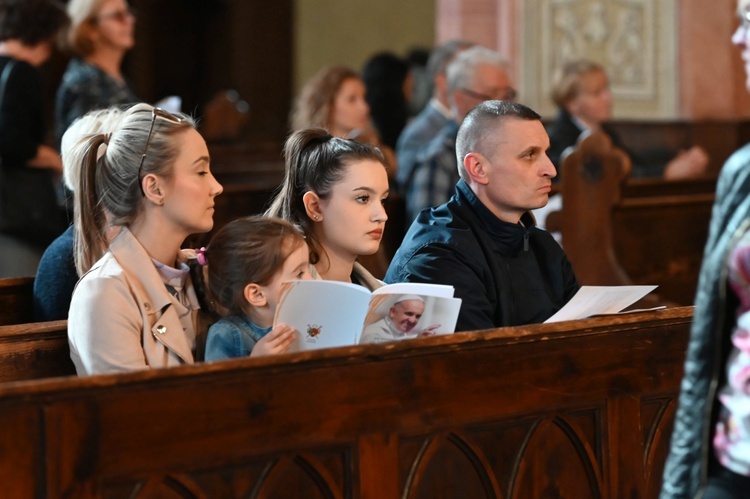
483 241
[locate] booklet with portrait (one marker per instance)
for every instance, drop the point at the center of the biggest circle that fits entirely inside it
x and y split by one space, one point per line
331 313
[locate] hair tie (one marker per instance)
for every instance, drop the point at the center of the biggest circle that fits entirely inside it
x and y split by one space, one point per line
200 255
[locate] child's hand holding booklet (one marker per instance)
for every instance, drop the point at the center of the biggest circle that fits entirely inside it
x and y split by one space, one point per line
332 313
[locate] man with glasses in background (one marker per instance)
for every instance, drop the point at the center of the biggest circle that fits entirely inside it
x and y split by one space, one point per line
474 76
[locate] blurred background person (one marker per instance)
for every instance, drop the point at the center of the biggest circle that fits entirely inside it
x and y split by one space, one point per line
475 75
56 276
710 447
388 84
585 102
433 117
30 216
334 99
101 32
421 88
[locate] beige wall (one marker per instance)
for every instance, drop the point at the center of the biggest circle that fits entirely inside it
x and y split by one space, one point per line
350 31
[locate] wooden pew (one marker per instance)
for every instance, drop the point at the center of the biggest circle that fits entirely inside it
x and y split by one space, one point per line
16 300
574 409
619 231
34 351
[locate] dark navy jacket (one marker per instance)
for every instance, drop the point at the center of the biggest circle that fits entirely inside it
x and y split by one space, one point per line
506 274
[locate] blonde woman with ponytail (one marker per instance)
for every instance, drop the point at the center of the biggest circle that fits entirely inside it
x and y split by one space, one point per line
135 306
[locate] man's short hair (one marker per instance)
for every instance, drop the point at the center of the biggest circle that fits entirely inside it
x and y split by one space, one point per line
461 69
478 131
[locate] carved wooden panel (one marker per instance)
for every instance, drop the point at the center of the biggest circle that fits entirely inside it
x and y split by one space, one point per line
657 418
575 409
319 475
509 458
634 39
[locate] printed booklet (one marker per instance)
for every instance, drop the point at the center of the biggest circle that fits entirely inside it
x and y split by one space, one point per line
601 300
331 313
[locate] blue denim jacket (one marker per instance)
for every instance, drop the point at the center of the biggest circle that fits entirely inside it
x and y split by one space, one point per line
232 337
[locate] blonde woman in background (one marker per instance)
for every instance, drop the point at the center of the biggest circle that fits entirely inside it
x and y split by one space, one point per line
100 34
56 276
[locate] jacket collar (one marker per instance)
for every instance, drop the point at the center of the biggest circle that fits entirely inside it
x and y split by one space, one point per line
136 262
510 236
131 256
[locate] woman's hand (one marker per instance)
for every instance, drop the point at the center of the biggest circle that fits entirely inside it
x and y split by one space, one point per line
277 341
46 157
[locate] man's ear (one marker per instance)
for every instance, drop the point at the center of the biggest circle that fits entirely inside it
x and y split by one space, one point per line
312 206
152 190
255 295
477 166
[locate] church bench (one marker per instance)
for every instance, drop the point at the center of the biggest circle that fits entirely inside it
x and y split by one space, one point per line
657 142
573 409
16 300
619 231
660 239
34 350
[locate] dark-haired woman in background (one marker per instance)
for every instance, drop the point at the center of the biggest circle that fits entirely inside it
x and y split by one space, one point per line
389 83
28 32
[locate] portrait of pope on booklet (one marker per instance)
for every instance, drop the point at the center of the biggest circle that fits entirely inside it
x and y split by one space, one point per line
332 313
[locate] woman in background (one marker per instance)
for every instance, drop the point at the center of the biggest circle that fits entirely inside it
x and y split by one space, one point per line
389 87
585 102
28 32
334 99
56 276
100 34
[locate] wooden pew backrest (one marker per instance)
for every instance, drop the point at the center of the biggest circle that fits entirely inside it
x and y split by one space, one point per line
34 351
592 175
16 300
582 408
619 231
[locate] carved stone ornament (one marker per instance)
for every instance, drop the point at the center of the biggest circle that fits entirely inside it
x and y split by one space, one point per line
634 39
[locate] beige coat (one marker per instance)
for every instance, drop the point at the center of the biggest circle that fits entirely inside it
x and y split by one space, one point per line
122 317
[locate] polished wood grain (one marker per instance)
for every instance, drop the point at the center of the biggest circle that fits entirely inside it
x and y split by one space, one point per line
575 409
16 300
34 350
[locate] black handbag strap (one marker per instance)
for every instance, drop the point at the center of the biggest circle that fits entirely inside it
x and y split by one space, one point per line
4 78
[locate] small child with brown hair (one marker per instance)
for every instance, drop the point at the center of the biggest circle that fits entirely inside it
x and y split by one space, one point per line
247 261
